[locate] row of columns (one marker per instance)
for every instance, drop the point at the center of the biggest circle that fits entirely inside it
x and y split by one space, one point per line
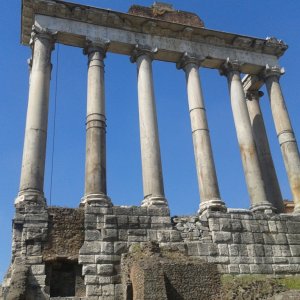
257 162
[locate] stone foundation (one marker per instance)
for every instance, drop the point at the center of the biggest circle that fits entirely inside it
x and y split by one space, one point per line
94 240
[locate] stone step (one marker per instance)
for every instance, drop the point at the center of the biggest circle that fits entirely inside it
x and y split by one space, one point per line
67 298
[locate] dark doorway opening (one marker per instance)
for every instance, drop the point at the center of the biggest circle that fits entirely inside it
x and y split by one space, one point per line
64 279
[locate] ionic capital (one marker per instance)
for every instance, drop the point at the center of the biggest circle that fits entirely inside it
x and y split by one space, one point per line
254 95
140 50
96 45
187 59
272 71
229 66
39 33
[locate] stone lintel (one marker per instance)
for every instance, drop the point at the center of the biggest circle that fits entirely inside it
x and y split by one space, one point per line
75 22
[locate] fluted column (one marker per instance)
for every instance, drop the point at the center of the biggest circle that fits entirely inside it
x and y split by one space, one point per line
263 150
284 130
245 138
150 149
34 151
95 164
206 172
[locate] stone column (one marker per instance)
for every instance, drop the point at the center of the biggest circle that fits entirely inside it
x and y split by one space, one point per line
34 151
150 149
206 172
245 138
285 133
263 150
95 164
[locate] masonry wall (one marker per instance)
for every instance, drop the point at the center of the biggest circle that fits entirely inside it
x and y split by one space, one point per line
238 242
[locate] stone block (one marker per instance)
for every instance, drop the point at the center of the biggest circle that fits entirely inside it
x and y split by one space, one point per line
293 239
236 225
293 227
272 226
98 210
218 259
295 250
109 234
247 238
268 238
146 220
163 236
92 235
213 224
122 234
286 269
294 260
105 280
175 236
276 250
105 269
90 218
268 250
137 232
233 269
90 248
120 247
34 250
280 239
223 249
90 279
244 269
34 259
107 247
152 235
241 260
137 238
158 211
221 237
93 290
261 269
236 238
122 210
252 226
133 222
225 224
38 269
161 220
280 260
106 259
285 250
108 290
89 269
86 259
281 226
122 221
192 249
139 211
258 238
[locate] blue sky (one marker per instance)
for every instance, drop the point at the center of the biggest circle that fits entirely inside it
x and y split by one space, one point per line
254 18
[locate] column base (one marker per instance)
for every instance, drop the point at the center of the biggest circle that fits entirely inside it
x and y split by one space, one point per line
265 208
213 205
96 200
296 209
157 201
30 197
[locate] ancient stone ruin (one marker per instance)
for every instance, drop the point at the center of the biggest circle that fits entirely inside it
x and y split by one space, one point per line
102 251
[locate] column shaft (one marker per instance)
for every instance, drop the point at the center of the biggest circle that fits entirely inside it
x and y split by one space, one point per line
95 165
206 172
285 133
150 149
245 138
34 152
263 150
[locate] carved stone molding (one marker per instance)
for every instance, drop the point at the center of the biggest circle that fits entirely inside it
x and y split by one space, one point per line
188 58
254 95
272 71
230 65
142 50
99 45
42 33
